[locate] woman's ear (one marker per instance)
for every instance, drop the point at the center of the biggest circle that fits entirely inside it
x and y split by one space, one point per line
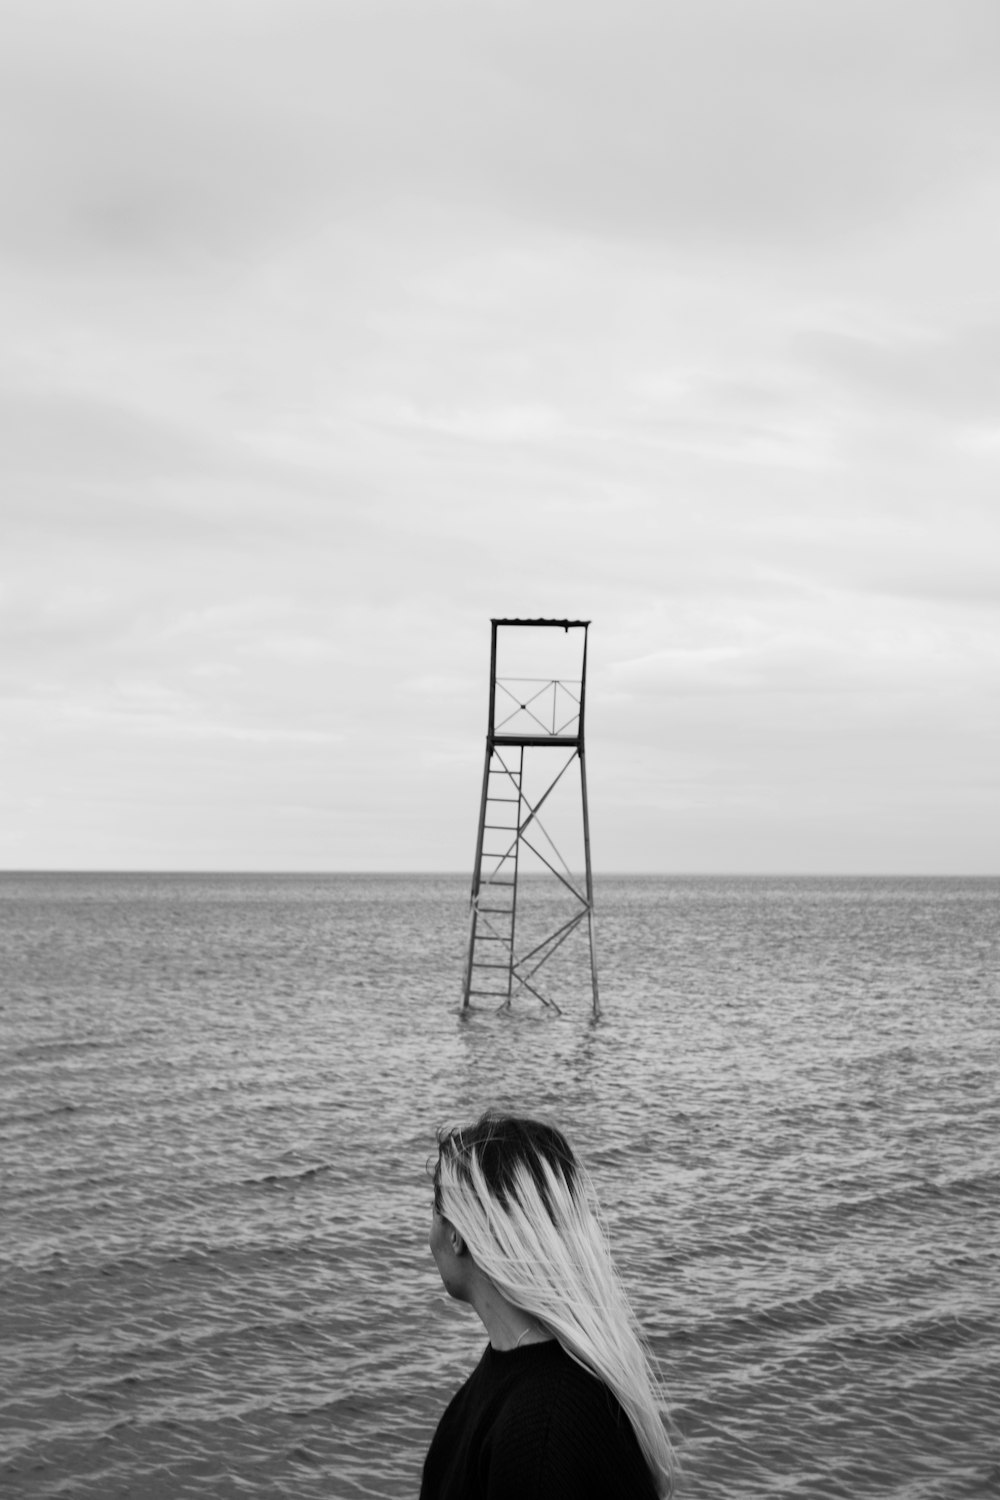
455 1240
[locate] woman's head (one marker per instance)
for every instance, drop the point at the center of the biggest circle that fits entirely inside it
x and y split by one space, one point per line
501 1187
506 1162
510 1194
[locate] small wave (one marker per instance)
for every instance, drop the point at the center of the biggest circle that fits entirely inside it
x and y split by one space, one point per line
929 1334
907 1200
30 1117
286 1179
64 1047
300 1454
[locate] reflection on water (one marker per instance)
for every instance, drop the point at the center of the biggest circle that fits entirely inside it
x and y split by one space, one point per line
219 1096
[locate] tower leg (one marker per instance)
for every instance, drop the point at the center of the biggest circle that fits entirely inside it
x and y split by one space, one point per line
590 885
476 876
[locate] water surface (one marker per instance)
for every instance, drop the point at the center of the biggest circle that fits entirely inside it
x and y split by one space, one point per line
217 1096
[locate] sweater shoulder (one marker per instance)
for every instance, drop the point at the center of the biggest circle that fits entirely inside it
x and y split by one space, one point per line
560 1387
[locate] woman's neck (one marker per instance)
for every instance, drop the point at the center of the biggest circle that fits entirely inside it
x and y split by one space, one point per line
508 1327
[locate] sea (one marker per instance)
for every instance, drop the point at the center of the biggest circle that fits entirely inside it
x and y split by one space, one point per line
219 1095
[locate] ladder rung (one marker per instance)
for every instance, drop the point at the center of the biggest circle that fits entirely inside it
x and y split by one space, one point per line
497 911
496 994
503 799
501 827
482 964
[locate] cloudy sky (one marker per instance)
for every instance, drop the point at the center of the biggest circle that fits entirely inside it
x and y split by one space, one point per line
333 328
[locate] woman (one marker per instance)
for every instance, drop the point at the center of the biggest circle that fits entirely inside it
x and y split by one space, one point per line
564 1401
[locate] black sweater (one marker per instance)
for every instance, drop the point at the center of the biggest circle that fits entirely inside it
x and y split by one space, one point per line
532 1423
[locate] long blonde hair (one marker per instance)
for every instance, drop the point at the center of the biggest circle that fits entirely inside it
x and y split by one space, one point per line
528 1214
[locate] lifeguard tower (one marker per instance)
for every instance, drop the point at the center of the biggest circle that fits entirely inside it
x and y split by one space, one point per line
527 902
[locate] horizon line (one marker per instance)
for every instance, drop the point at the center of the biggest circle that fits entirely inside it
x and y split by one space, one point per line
722 874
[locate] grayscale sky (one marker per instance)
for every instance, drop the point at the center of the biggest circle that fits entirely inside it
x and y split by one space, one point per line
332 329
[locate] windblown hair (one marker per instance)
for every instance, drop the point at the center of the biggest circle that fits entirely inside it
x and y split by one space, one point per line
528 1214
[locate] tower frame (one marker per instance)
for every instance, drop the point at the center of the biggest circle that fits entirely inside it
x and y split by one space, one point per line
513 734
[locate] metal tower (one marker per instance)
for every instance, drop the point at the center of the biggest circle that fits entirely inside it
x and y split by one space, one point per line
516 923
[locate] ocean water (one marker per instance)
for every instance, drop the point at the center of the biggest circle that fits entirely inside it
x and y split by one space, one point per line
218 1096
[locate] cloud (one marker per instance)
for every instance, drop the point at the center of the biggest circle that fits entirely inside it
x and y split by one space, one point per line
333 329
155 131
72 436
951 376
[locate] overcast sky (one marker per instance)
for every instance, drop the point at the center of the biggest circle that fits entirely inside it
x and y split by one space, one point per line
332 329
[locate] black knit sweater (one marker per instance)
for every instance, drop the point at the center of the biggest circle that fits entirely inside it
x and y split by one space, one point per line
532 1423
